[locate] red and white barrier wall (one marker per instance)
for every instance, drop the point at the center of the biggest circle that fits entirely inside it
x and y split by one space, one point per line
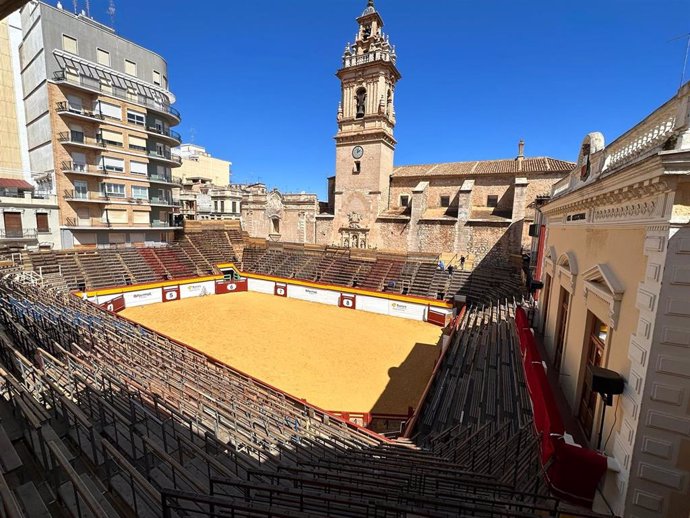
403 306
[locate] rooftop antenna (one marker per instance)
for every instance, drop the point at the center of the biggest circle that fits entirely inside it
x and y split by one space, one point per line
74 4
111 12
685 60
88 8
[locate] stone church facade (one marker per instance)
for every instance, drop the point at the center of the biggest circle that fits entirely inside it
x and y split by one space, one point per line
476 209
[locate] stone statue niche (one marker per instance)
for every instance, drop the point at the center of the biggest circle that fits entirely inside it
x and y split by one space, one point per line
361 102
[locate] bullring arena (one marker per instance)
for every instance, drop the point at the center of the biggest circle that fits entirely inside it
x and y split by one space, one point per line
223 376
344 361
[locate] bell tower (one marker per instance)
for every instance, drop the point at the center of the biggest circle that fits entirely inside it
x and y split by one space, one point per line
364 143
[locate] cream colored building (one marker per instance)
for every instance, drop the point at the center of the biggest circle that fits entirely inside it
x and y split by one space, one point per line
616 275
198 163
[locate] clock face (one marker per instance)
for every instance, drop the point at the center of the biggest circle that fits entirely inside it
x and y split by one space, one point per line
357 152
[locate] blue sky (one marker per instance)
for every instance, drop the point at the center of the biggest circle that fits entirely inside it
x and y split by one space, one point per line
255 79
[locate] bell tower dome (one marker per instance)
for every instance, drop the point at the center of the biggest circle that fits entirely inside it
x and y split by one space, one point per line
364 142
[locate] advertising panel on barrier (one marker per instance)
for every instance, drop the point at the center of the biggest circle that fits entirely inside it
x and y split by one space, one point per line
261 286
314 295
197 289
406 310
171 293
115 304
348 301
143 297
372 304
231 286
281 289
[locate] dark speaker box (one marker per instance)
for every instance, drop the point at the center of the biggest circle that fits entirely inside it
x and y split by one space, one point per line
605 381
534 230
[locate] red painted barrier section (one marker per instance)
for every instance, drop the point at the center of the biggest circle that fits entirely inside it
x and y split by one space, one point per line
171 293
435 317
114 305
234 286
573 473
348 301
280 289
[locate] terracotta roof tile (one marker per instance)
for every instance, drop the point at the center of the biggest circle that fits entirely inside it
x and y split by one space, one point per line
479 167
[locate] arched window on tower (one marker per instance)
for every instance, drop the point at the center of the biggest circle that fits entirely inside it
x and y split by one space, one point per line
389 103
361 101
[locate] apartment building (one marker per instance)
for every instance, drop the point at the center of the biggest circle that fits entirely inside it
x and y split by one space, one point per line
198 163
199 199
99 120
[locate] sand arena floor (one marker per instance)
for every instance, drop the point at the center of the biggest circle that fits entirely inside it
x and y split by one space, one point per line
337 359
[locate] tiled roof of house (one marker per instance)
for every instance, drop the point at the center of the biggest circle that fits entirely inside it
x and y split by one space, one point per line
480 167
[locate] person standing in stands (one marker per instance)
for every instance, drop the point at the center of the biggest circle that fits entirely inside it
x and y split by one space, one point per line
462 262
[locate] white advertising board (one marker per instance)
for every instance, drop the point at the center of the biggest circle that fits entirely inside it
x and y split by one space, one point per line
143 297
197 289
372 304
314 295
261 286
406 310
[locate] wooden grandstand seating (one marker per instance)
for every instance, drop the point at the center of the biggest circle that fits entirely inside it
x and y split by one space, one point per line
151 424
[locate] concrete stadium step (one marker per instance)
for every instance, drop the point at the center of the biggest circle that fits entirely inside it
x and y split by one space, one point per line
31 501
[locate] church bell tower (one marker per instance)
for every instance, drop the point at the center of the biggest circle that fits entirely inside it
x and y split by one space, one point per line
364 142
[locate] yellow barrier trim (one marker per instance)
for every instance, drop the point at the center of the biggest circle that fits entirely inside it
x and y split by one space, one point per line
148 286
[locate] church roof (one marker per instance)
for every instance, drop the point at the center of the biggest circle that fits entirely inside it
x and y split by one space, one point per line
481 167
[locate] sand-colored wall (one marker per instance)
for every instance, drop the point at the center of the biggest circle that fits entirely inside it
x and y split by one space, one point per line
10 155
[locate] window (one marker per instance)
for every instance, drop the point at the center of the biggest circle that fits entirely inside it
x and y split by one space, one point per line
112 111
156 78
115 216
445 201
215 205
116 165
138 167
361 99
140 193
81 190
492 200
130 68
42 222
106 86
78 161
74 104
137 143
69 44
276 225
222 205
72 74
358 167
234 206
595 358
111 138
140 216
13 224
404 200
136 118
115 190
132 94
103 57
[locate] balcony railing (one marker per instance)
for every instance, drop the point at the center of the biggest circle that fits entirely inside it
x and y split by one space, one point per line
68 166
115 91
87 223
153 153
26 233
87 196
66 107
165 132
160 179
78 137
351 60
162 201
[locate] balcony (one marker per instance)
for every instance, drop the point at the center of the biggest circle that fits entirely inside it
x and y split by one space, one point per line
82 169
89 196
64 108
171 134
165 156
163 202
26 233
77 138
86 223
95 85
154 178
